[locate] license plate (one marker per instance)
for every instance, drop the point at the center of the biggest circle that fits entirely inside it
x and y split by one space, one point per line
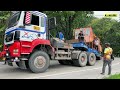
3 58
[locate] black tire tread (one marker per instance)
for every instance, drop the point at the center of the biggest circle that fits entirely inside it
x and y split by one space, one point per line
31 65
88 59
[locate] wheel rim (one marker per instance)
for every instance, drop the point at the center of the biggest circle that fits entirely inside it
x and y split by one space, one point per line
92 59
83 58
39 62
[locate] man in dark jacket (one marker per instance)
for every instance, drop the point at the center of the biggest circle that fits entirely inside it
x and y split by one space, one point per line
81 36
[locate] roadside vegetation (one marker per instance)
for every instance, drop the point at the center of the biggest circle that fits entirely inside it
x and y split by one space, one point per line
116 76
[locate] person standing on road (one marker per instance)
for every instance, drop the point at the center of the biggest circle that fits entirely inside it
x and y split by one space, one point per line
107 58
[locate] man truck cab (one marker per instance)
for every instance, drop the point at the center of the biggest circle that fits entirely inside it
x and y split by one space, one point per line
28 25
26 32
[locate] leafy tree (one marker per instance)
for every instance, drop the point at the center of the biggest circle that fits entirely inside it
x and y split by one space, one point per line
69 20
4 15
113 36
101 26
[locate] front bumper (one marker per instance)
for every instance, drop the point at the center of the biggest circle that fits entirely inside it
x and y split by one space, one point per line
2 54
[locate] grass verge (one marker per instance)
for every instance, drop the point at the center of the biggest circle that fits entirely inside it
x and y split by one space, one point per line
115 76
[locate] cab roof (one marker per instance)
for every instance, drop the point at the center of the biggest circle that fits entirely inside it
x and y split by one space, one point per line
38 13
33 12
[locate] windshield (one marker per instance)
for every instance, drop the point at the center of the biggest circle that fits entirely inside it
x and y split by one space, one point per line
14 19
9 37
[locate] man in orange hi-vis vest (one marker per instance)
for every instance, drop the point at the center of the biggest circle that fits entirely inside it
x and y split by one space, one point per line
107 58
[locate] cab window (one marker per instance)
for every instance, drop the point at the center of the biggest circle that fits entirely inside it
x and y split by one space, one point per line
14 20
35 20
42 21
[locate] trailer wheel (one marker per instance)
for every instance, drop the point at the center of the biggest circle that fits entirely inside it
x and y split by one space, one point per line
91 59
82 60
39 62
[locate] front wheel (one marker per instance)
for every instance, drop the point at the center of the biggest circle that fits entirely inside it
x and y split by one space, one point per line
39 62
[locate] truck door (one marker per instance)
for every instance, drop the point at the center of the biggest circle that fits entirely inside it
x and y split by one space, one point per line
34 26
43 27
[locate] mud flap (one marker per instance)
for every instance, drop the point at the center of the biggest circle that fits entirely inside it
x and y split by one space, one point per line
22 65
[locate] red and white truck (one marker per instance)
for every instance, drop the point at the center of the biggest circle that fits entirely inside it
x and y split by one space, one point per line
27 42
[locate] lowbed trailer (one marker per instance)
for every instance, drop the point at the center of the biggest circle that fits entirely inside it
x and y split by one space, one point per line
27 42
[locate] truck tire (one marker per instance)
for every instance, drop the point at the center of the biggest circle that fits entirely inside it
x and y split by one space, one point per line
91 59
39 62
82 60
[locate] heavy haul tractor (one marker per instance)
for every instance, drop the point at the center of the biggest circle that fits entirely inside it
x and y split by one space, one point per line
27 43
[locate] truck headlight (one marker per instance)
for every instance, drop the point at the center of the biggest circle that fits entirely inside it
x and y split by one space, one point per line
7 54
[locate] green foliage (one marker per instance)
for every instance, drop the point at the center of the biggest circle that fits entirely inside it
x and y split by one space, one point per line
113 36
69 20
107 30
101 26
4 15
116 76
81 19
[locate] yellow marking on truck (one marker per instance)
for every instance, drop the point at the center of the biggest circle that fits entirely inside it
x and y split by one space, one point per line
111 15
36 28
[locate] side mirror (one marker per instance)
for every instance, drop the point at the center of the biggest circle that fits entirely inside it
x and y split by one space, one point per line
17 35
51 23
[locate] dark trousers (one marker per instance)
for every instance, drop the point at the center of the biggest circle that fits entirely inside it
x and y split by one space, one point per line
105 63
